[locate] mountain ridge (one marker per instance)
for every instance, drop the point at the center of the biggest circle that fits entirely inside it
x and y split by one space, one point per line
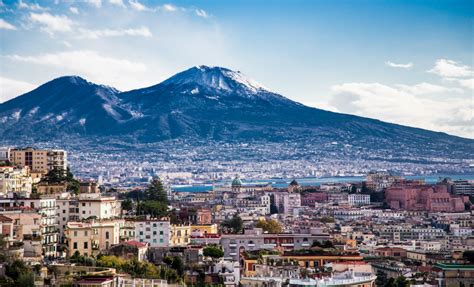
201 102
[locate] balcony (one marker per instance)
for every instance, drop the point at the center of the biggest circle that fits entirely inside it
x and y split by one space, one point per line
287 244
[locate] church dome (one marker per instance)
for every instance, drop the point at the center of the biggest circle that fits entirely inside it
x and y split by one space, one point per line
236 181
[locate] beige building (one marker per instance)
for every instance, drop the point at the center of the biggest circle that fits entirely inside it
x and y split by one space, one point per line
39 160
90 238
15 180
180 235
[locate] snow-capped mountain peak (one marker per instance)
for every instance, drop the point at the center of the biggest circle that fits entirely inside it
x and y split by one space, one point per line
218 78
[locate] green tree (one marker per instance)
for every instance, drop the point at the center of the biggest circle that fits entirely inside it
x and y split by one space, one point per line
213 251
270 226
381 279
154 208
15 269
26 280
178 265
156 192
401 281
127 204
233 225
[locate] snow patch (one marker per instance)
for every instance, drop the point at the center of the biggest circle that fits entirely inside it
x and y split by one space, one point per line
16 115
82 121
46 117
110 110
33 111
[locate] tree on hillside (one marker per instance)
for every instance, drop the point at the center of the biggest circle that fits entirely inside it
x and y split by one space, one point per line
213 252
233 225
155 191
270 226
127 205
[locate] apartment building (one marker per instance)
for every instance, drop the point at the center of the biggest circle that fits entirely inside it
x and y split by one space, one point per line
39 160
155 232
46 206
85 206
90 238
358 199
180 234
15 180
255 239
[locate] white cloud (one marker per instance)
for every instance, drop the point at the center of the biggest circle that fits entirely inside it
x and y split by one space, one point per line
201 13
169 8
138 6
95 3
32 6
402 66
427 88
117 3
465 83
74 10
96 34
120 73
5 25
13 88
450 68
52 23
400 104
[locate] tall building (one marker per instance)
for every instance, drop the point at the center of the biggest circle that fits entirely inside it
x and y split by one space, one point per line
39 160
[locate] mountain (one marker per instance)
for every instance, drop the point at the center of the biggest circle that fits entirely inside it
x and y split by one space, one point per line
200 103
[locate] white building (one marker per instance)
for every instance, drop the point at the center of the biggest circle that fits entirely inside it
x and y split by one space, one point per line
15 181
155 232
358 199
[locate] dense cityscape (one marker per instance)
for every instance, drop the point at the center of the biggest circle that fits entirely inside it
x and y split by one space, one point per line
238 143
61 229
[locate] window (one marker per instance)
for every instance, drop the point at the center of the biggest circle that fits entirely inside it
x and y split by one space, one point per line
85 233
74 245
106 235
75 233
161 232
83 204
86 245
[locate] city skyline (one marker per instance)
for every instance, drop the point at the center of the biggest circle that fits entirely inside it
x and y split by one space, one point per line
407 63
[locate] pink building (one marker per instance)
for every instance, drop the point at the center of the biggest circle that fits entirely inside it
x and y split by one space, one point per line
311 198
434 198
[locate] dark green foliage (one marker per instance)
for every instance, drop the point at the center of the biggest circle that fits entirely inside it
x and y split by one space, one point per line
155 200
58 175
213 252
233 225
156 191
325 244
127 204
469 256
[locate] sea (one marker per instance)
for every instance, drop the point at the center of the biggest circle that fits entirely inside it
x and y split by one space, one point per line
314 181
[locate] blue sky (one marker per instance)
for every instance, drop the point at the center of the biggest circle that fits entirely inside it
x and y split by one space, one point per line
408 62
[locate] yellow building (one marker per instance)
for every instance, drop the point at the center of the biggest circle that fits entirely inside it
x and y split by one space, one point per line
39 160
180 235
89 238
317 261
51 188
204 229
